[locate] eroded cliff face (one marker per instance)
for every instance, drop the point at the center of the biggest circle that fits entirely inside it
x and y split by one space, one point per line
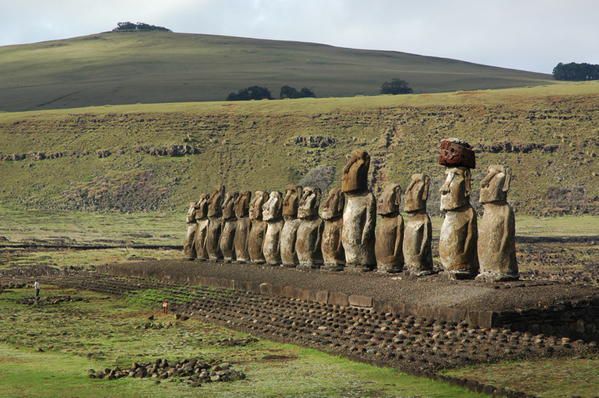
162 160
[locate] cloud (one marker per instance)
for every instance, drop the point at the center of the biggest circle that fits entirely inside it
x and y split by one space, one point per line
531 34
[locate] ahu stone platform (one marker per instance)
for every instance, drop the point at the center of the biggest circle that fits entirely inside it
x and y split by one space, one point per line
547 307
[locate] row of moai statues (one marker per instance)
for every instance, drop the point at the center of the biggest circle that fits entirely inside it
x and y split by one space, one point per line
354 231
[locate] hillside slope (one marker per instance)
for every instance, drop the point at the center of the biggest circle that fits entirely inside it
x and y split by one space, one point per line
151 67
141 157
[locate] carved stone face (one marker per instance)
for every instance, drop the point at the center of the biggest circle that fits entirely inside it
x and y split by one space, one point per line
229 205
242 204
496 184
388 203
333 206
355 173
291 200
309 202
256 205
215 207
202 206
272 209
417 193
455 192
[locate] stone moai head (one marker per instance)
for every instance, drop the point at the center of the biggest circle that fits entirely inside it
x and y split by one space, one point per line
258 200
389 200
293 194
242 204
355 172
202 206
455 192
333 205
229 205
272 208
496 184
309 202
417 193
215 205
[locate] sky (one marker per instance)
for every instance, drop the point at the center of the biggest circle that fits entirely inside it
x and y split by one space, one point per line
524 34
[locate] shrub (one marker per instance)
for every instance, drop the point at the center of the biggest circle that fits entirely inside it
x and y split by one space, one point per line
250 93
576 72
292 92
396 86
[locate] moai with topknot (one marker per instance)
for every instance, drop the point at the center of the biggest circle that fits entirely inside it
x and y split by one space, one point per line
497 230
332 215
389 231
257 228
272 214
359 214
309 233
227 236
242 228
202 229
291 200
418 230
458 237
192 226
215 213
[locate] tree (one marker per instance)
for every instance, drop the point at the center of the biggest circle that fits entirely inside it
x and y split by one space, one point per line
396 86
250 93
307 93
292 92
576 72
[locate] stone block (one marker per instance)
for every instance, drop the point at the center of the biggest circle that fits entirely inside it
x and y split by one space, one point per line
338 298
266 288
322 296
356 300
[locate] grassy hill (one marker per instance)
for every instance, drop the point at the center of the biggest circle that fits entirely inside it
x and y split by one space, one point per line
160 156
158 67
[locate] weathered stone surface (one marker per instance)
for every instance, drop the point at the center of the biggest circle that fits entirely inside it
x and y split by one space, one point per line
332 215
309 232
389 231
215 213
458 237
497 232
355 172
227 236
257 227
417 244
291 200
202 229
272 214
356 300
192 226
456 153
242 227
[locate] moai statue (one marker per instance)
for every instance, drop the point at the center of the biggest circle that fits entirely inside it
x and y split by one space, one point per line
497 233
227 236
457 240
242 229
309 233
357 236
272 214
332 215
215 213
202 229
289 231
192 226
257 228
418 229
389 231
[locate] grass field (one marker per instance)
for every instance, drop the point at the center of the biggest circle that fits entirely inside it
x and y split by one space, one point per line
156 67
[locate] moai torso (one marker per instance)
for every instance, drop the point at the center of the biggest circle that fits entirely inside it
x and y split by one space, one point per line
242 227
202 228
417 251
307 244
289 231
229 223
457 240
389 231
357 235
215 213
272 214
332 215
257 228
192 226
497 230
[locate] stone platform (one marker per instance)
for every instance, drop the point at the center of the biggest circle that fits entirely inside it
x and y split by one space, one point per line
536 306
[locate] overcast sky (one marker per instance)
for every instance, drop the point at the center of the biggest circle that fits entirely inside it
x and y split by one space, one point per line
523 34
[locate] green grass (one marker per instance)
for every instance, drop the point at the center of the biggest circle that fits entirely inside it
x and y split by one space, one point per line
104 332
121 68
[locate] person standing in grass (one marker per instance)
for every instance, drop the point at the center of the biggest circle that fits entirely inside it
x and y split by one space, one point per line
36 287
165 306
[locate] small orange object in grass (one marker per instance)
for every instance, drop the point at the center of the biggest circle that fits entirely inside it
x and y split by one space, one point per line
165 306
